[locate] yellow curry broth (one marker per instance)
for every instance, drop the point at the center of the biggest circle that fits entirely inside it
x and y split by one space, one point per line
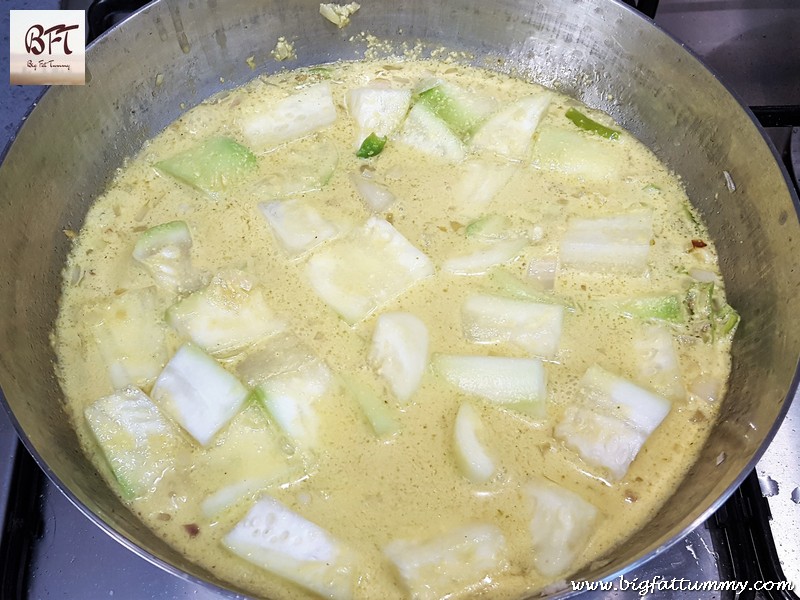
367 491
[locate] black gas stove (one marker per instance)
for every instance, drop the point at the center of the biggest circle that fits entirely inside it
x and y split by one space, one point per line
49 549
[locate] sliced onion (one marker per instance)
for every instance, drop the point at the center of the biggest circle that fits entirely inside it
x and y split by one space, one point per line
703 275
542 272
706 388
376 195
703 255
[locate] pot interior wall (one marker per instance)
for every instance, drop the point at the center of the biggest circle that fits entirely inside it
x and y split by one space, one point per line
172 55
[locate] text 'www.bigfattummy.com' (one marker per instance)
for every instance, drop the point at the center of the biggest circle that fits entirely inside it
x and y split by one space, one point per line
660 584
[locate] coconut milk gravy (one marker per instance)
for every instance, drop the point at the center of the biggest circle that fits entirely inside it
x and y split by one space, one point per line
364 490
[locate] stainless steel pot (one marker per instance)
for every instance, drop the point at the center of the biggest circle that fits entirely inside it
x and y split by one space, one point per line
173 54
